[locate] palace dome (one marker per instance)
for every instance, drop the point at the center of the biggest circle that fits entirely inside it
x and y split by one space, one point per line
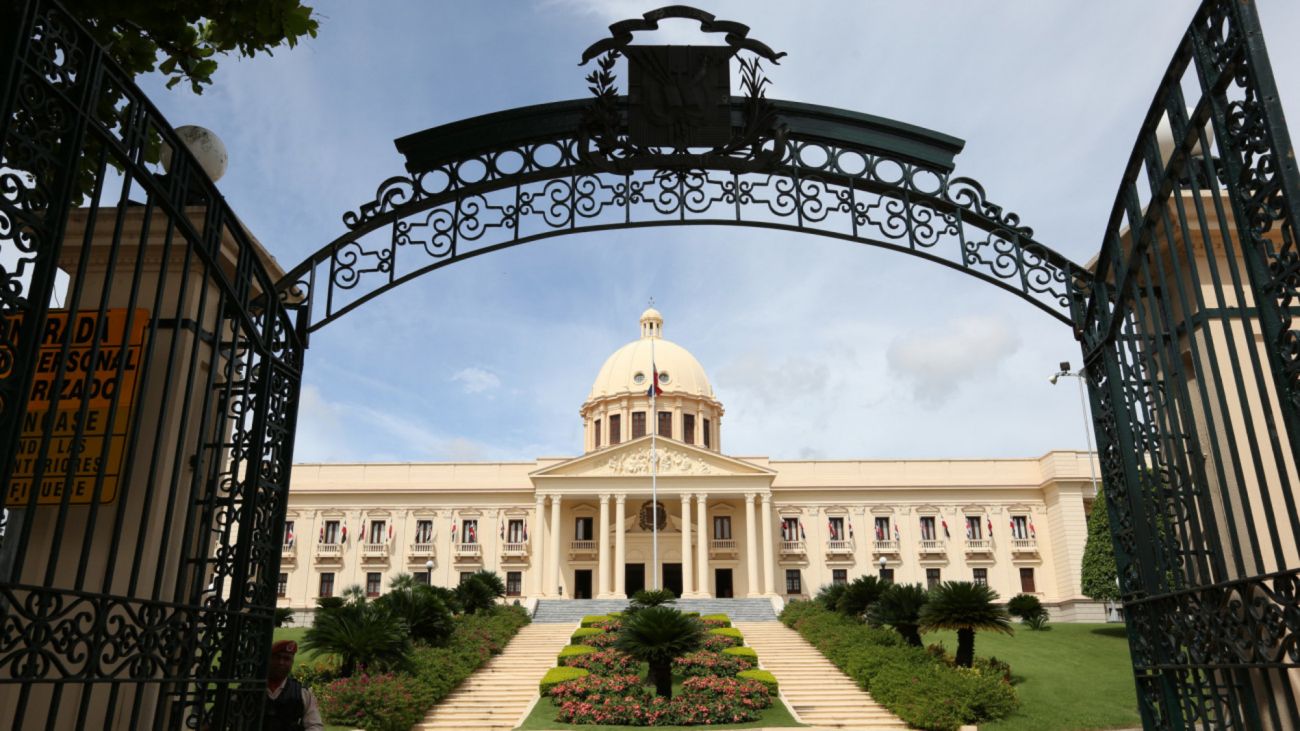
628 369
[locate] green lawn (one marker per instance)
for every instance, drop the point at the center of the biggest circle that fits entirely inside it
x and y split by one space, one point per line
1074 676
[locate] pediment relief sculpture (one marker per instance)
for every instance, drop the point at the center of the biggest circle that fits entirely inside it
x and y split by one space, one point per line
670 463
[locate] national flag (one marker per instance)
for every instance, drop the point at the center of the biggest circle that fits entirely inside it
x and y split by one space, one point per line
896 533
453 532
503 531
471 534
345 534
830 526
654 389
525 532
322 534
1012 521
970 533
288 537
390 534
880 532
1032 533
802 536
785 531
990 522
946 534
850 530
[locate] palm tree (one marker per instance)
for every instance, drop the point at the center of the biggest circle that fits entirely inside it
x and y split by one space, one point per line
649 598
362 634
414 602
829 596
657 636
859 594
967 608
900 607
479 591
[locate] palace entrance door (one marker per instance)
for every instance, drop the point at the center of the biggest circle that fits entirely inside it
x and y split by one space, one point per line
634 578
673 578
722 588
582 584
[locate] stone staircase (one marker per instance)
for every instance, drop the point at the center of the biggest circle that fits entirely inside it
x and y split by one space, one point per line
816 690
569 611
498 694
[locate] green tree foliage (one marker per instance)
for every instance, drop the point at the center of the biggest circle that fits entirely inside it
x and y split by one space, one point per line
363 634
182 39
900 607
859 594
479 591
829 596
657 636
1099 573
649 598
426 616
967 608
283 616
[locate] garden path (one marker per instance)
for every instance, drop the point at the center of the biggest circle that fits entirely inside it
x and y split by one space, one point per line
816 690
498 694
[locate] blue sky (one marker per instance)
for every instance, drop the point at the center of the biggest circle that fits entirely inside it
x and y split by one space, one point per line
817 348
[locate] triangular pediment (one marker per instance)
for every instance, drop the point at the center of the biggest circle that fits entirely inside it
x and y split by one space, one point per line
632 459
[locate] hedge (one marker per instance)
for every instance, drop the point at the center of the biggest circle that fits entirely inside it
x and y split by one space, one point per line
571 650
578 634
747 653
762 676
917 686
729 632
555 676
591 619
718 618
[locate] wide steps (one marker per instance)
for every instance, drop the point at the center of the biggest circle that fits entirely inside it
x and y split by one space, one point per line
498 694
817 692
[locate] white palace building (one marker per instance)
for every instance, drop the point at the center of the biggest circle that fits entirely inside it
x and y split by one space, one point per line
727 526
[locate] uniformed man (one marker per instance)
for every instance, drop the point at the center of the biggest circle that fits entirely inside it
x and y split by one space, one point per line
290 706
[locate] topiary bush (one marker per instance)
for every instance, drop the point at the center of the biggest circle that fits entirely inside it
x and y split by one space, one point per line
718 643
761 676
573 651
557 675
713 621
592 620
582 633
747 653
730 632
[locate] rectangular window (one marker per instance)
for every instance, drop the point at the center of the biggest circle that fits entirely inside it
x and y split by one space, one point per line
708 435
1027 581
638 424
423 577
722 527
836 528
514 583
931 578
584 529
688 428
373 580
615 428
424 531
464 576
793 582
974 528
331 531
790 529
469 531
1020 527
928 532
666 424
515 532
882 529
282 586
596 436
288 532
378 531
327 583
839 576
981 577
887 574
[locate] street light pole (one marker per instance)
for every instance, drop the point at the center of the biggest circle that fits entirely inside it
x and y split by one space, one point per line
1082 375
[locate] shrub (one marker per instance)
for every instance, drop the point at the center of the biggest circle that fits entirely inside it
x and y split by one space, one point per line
610 624
747 653
365 635
427 617
315 673
557 675
573 651
859 594
731 632
591 620
710 664
1037 622
479 591
602 640
761 676
716 620
649 598
1024 606
829 596
622 700
718 643
582 633
476 638
900 607
376 702
605 662
710 689
591 687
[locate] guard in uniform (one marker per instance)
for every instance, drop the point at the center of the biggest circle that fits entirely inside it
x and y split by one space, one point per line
290 706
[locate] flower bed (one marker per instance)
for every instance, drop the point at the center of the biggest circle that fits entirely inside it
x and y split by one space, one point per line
922 689
710 664
604 662
601 640
624 701
718 643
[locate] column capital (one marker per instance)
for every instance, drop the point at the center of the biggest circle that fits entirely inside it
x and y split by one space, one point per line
620 498
701 497
604 499
749 497
767 498
556 499
686 497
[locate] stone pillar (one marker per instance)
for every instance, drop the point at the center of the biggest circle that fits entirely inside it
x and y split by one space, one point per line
688 583
620 547
765 539
539 556
553 576
751 547
602 562
702 543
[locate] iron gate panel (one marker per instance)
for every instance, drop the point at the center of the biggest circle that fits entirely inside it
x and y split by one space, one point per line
1191 361
138 571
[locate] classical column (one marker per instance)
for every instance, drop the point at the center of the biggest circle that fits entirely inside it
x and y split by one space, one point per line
769 561
751 546
688 584
620 547
602 562
554 574
702 542
539 555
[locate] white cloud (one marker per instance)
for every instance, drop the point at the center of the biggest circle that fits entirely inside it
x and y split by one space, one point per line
936 362
476 380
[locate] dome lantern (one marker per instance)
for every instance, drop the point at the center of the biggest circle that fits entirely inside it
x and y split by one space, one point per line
652 324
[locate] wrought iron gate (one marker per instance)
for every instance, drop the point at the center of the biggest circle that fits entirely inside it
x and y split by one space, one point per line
1192 362
148 391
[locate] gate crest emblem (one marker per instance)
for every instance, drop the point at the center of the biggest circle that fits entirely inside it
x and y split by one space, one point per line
679 112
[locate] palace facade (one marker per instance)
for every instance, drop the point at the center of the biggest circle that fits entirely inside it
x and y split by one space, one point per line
722 525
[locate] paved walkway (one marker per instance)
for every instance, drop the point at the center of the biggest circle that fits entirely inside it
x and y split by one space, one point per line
816 690
497 694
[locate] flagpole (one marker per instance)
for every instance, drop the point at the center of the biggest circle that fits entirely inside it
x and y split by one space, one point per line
654 467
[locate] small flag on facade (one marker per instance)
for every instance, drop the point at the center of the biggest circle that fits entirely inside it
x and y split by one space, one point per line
525 532
503 531
322 534
896 532
453 532
850 530
802 536
990 522
654 389
1032 533
946 534
390 534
